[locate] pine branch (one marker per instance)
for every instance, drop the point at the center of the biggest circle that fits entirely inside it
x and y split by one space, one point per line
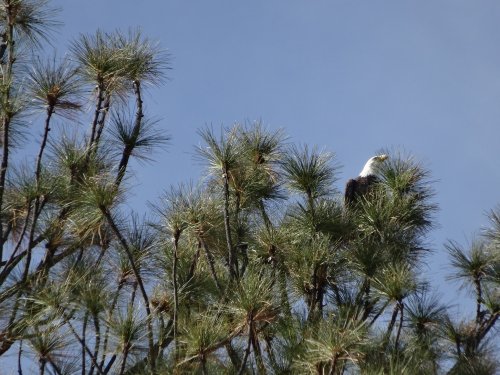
102 120
138 278
401 318
97 342
6 118
111 310
97 113
247 351
233 260
86 348
211 263
129 147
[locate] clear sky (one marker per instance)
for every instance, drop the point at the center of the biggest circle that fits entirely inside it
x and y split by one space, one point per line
348 76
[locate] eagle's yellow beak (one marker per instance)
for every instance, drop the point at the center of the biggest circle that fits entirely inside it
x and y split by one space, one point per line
383 157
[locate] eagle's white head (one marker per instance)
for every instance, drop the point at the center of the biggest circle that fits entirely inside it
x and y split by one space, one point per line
372 164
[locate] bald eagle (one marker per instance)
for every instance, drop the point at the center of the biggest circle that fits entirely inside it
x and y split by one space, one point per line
362 184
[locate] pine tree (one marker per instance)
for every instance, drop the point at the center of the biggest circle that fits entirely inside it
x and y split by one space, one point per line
257 268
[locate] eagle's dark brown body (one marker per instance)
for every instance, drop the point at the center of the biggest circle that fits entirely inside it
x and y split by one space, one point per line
357 187
362 184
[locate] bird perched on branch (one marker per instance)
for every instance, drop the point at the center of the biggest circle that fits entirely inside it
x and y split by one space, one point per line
364 182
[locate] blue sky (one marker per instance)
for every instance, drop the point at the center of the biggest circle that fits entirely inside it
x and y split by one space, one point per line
348 76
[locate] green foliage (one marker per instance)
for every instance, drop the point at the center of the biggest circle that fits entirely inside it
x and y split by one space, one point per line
308 171
100 60
472 265
220 154
32 20
54 86
143 142
337 342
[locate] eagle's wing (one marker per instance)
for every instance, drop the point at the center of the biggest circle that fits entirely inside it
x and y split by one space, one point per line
350 191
